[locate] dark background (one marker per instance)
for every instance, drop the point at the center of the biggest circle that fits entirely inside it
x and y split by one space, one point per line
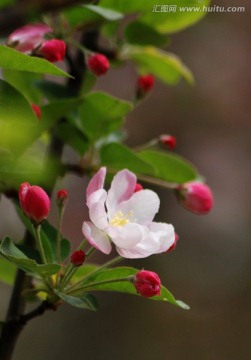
211 266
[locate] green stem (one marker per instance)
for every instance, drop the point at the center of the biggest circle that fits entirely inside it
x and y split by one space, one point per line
60 219
37 229
94 284
107 264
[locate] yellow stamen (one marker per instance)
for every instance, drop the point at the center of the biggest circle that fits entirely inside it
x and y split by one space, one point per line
120 219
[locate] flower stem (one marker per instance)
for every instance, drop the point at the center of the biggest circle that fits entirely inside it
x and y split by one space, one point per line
107 264
60 218
37 229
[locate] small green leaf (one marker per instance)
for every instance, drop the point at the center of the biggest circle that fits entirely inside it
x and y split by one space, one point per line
166 66
86 14
101 114
15 60
83 271
108 14
50 234
142 34
10 252
86 301
170 167
118 157
7 272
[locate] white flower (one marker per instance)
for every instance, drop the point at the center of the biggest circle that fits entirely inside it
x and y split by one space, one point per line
125 217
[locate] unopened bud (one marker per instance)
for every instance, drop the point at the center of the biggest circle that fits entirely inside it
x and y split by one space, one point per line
37 110
62 197
98 64
34 202
147 283
168 140
196 197
53 50
174 244
138 187
145 84
78 257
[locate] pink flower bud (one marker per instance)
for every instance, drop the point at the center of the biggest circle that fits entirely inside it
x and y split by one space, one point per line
196 197
37 110
138 187
53 50
174 244
147 283
34 201
62 197
145 84
78 257
98 64
168 140
28 37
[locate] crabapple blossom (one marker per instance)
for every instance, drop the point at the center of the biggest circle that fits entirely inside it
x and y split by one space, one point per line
53 50
125 217
27 38
98 64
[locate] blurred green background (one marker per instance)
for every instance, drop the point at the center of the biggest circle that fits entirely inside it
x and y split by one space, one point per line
211 266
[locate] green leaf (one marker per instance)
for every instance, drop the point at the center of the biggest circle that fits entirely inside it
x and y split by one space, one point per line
15 60
142 34
7 272
166 66
101 114
72 136
86 301
108 14
24 82
53 91
169 21
118 157
163 19
83 271
126 286
170 167
86 14
49 233
10 252
17 120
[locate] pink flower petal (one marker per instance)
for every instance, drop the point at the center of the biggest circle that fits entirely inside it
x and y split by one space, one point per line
98 215
143 205
28 37
96 183
165 235
122 188
96 237
125 236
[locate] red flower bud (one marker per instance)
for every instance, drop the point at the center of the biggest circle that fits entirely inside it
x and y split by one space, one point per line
34 201
147 283
174 244
138 187
37 110
145 84
168 140
53 50
196 197
62 197
28 37
78 257
98 64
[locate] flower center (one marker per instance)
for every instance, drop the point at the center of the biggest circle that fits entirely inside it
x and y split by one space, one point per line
119 219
